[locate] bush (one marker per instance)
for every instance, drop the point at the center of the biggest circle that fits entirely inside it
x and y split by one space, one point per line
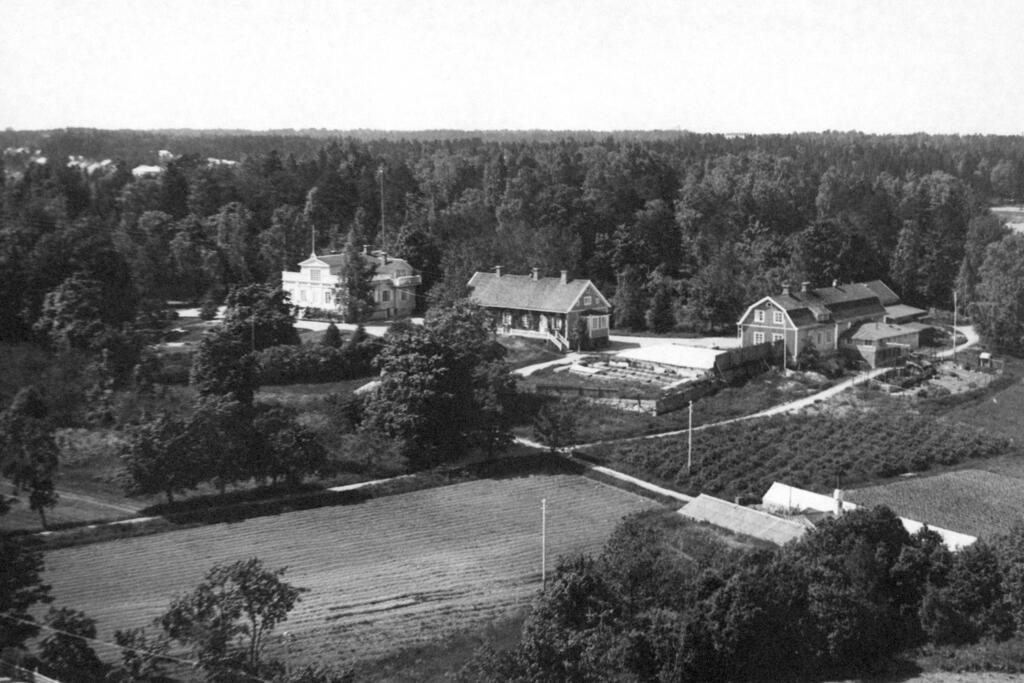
320 314
208 309
315 362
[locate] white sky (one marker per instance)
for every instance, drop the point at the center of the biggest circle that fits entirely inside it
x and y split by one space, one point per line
704 65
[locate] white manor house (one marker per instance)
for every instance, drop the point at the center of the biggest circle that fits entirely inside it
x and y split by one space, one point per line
394 283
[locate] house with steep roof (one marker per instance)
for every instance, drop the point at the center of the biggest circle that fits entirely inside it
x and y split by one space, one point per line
549 308
830 318
393 283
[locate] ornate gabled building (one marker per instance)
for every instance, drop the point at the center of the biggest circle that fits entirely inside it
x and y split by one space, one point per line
394 283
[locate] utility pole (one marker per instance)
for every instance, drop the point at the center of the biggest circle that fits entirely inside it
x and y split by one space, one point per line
689 442
954 327
543 541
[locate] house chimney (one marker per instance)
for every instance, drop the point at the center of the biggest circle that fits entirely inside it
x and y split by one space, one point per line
785 289
565 277
536 273
837 497
497 271
805 286
835 283
366 249
384 257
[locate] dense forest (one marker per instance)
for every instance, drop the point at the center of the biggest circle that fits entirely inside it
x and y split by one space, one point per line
705 223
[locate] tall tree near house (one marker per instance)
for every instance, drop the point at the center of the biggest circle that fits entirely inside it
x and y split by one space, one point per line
660 317
286 241
981 232
998 309
260 315
354 292
224 365
630 300
443 389
494 388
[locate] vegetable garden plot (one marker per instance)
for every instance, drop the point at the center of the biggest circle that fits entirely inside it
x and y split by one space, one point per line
385 574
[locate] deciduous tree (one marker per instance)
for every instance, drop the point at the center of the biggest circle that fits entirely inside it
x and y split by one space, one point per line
998 311
225 620
28 452
66 652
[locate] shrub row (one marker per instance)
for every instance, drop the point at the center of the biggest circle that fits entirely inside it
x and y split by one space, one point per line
310 363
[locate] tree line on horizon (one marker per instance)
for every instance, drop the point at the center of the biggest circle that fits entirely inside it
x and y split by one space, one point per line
681 231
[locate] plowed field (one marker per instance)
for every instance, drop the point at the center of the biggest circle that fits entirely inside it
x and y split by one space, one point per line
384 574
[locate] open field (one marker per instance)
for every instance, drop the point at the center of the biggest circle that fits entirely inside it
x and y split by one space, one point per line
971 501
385 574
998 413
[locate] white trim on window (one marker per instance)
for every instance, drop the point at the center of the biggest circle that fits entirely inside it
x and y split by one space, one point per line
759 315
777 318
759 337
776 337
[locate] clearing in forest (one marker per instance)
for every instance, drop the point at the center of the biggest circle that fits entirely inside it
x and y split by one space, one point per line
382 575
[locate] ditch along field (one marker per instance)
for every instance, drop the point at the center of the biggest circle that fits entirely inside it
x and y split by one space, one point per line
383 575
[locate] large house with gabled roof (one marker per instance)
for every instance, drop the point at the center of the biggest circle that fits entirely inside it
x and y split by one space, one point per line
393 283
830 318
543 307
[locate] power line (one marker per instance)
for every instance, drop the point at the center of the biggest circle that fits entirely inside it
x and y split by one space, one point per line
179 660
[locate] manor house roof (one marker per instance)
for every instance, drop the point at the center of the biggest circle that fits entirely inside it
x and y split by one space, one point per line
529 293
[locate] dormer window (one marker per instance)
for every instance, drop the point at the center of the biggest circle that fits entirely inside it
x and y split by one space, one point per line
314 275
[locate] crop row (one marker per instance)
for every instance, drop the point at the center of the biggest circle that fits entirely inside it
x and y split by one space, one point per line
383 574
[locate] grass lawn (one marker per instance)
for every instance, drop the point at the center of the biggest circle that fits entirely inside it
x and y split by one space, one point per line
523 352
384 575
999 411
